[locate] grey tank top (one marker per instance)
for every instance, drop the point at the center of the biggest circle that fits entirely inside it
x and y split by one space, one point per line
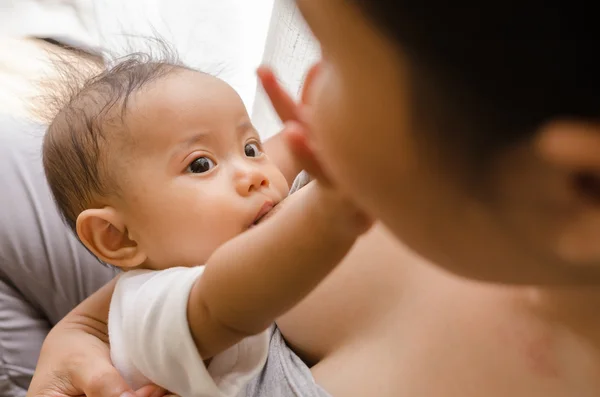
284 374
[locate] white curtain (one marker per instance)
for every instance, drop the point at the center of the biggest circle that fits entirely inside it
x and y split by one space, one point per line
227 37
290 49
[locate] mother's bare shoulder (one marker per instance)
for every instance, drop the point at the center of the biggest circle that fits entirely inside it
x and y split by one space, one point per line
365 287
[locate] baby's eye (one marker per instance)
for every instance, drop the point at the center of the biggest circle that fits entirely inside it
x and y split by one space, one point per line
201 165
252 150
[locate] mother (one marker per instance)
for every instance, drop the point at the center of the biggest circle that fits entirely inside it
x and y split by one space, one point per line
482 154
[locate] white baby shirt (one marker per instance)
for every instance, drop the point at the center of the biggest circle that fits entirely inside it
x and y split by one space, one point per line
150 340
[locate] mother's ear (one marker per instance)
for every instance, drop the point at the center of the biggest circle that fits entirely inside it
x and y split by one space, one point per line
103 232
574 147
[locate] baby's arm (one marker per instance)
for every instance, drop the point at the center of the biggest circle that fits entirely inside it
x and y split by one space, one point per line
254 278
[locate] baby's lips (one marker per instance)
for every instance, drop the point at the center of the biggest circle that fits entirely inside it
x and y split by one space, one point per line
264 213
270 213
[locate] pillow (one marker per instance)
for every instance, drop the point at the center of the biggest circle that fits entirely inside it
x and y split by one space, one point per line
44 270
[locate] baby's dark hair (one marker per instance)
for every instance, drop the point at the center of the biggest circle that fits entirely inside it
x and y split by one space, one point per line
74 154
486 75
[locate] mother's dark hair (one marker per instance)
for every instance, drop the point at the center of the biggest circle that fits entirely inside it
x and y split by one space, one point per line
488 74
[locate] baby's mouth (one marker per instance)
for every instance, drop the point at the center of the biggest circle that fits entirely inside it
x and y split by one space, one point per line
263 212
269 214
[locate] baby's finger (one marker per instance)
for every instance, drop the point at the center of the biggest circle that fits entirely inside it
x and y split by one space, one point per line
284 104
302 151
311 76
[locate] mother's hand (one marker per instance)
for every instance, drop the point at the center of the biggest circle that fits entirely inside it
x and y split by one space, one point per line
75 358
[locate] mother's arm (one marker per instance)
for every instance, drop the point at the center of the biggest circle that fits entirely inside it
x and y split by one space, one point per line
75 359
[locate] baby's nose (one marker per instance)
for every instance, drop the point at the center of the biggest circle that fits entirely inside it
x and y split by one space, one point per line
250 180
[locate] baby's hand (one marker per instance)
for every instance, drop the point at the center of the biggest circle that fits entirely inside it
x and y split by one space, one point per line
296 138
334 216
342 211
339 210
295 118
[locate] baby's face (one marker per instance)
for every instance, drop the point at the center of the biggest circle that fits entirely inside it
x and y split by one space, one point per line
195 176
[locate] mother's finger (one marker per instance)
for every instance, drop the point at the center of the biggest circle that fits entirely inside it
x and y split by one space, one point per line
102 380
284 104
151 391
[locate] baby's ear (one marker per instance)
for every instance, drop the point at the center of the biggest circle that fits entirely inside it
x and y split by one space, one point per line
103 232
573 148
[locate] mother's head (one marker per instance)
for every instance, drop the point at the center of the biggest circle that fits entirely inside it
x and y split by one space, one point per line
469 128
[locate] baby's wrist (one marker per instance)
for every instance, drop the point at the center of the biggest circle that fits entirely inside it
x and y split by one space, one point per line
339 214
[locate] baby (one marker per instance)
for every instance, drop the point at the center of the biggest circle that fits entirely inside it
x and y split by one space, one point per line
159 171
